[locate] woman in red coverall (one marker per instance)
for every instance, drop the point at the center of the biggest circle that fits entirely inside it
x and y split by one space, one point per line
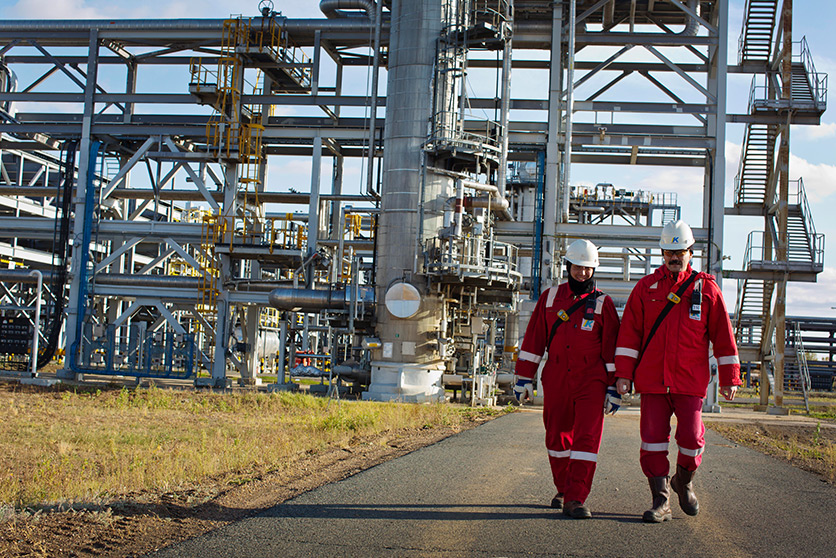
577 326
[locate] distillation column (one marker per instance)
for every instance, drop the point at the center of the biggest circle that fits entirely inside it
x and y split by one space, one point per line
408 366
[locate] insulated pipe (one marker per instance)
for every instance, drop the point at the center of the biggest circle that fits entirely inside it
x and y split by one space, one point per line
311 300
459 210
570 99
22 276
693 26
498 205
334 8
302 30
159 281
496 199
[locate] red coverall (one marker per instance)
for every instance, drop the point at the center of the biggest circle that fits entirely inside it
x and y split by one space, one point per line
673 373
580 366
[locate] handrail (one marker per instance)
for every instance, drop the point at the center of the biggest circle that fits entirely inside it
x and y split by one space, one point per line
801 357
818 81
815 240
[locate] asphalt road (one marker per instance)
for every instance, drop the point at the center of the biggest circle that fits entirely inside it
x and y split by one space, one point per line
485 493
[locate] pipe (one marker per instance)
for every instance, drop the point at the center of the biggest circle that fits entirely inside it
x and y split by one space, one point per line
570 99
693 26
313 300
154 281
302 30
334 8
498 205
459 210
35 337
23 275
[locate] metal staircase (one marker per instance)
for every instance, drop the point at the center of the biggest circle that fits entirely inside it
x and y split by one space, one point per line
754 301
756 163
756 193
755 41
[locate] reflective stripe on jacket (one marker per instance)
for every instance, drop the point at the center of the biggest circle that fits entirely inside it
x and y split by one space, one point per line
677 358
581 353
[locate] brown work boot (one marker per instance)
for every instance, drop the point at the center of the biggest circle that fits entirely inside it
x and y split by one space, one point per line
661 510
557 501
681 484
576 510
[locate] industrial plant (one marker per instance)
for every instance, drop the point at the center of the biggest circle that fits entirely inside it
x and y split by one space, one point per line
376 197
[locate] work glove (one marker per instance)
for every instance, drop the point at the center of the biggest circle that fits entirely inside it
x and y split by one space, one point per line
523 389
612 402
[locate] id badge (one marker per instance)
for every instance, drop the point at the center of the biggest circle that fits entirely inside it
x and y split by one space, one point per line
587 325
696 312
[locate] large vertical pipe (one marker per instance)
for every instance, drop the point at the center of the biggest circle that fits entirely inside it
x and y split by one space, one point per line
570 103
552 175
505 106
412 202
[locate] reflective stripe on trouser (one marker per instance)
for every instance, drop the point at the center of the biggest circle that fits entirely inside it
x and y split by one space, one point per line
656 413
573 435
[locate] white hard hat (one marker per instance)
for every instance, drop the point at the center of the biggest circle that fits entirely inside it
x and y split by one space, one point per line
582 253
676 235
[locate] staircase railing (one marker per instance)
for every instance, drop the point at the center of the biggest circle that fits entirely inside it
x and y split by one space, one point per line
817 80
798 196
801 357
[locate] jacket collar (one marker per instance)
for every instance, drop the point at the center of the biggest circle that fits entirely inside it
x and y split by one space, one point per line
663 272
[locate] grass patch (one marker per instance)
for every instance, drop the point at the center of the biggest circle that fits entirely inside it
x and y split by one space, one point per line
812 448
63 445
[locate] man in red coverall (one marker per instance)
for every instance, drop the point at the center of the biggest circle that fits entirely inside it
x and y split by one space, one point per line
671 369
575 376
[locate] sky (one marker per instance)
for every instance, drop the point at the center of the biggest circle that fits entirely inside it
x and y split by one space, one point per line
813 148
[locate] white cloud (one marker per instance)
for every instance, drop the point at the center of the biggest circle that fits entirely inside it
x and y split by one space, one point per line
813 133
818 178
813 299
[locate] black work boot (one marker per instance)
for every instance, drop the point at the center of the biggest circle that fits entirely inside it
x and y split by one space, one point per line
661 510
557 501
681 484
576 510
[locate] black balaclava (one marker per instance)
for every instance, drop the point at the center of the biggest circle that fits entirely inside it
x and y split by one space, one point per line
580 287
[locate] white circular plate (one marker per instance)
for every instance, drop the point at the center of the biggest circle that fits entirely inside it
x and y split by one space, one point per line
403 300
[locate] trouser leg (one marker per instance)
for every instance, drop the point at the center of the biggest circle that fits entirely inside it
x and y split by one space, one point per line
588 426
690 430
655 429
557 418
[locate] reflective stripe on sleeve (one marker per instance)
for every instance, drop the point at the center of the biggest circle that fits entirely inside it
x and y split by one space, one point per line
530 357
599 304
610 367
624 351
691 452
564 453
584 456
655 447
734 359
